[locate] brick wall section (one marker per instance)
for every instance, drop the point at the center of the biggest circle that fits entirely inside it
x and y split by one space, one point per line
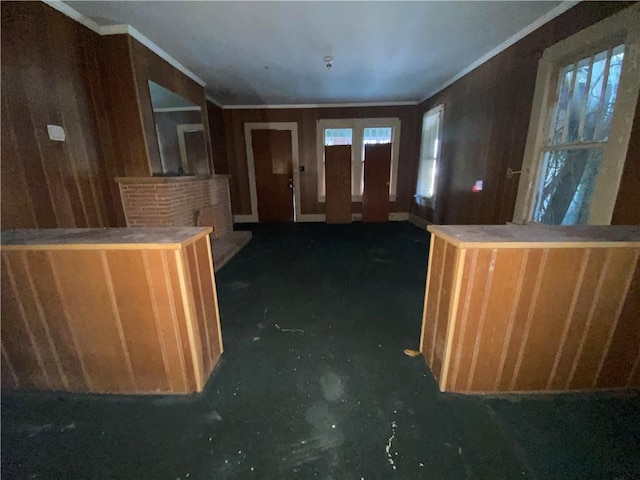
177 203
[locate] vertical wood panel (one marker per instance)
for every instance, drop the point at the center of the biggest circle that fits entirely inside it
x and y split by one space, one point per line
375 194
578 321
166 318
53 309
38 321
135 308
194 335
218 139
501 283
517 333
199 302
442 312
474 299
550 312
460 326
337 161
17 334
45 58
9 377
209 297
172 263
624 353
93 322
618 266
432 297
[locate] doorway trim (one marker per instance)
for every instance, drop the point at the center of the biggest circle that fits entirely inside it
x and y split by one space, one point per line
253 191
181 129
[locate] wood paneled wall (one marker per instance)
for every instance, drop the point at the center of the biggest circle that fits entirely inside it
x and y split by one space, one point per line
149 66
532 319
117 109
307 118
627 209
218 141
126 66
57 71
486 120
48 74
129 321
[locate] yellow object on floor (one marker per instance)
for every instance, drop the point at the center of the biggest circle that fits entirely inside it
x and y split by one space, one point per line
411 353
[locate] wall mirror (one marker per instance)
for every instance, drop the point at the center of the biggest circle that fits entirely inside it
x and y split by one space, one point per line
180 133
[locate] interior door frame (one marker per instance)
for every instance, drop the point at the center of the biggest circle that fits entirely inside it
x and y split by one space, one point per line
181 129
253 190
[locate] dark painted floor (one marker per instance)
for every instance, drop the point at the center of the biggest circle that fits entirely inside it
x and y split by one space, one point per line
314 384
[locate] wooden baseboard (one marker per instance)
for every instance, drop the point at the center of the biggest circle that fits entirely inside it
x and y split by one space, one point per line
419 221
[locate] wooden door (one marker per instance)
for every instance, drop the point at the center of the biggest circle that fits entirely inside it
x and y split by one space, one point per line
196 152
337 168
273 163
377 169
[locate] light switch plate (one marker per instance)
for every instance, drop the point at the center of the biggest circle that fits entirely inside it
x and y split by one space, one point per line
56 133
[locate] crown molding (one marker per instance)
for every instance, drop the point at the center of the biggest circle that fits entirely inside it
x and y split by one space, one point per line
119 30
70 12
176 109
550 15
212 100
319 105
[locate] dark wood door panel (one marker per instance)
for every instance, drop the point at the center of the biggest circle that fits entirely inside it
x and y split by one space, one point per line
337 167
273 163
377 168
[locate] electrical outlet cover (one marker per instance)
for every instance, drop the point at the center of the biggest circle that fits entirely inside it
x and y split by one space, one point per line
56 133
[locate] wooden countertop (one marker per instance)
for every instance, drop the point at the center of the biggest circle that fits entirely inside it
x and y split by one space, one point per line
545 236
101 238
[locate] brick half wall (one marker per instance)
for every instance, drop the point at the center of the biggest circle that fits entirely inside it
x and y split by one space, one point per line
176 203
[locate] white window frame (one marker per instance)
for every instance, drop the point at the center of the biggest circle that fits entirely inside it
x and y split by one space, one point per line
431 201
357 145
624 27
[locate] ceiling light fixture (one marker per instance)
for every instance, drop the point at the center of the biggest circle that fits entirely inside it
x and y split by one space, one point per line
328 62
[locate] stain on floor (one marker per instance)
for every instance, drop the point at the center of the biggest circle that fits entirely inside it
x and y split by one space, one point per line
314 383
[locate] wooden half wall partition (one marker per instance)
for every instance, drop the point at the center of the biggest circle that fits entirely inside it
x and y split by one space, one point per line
109 311
517 308
337 167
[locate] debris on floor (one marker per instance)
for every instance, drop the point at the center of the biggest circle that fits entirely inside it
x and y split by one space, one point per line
298 330
412 353
389 444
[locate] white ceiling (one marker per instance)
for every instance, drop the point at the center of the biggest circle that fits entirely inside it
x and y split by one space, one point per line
272 52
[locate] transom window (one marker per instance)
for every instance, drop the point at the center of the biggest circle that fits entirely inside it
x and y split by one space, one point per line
358 133
338 136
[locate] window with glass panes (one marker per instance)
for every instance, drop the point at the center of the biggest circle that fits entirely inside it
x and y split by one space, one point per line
358 133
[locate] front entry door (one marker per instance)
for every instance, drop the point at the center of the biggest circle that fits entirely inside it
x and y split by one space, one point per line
273 163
